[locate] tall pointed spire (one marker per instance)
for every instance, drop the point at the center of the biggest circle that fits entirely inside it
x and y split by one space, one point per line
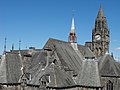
72 35
100 22
72 26
100 12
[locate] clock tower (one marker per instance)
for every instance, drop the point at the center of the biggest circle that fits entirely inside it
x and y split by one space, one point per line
100 35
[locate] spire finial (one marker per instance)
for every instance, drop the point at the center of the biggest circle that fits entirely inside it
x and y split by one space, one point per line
100 5
72 26
12 46
5 44
72 30
72 35
100 12
19 44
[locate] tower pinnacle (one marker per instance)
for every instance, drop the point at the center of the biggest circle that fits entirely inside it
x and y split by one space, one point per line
100 35
100 12
12 46
72 35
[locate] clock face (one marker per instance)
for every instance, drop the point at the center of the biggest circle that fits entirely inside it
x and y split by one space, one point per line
97 37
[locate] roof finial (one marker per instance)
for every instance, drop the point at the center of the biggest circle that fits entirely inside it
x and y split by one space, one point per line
12 46
19 44
112 55
5 44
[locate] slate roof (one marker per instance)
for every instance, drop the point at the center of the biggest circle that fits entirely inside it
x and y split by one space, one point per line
85 51
3 70
67 54
108 66
36 74
26 51
89 76
10 68
38 57
58 78
57 59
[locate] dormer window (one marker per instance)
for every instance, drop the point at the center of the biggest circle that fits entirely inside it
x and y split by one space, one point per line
43 83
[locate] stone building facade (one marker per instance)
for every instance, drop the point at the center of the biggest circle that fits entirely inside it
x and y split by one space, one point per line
62 65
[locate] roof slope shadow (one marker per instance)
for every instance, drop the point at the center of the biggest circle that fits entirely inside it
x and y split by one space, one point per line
85 51
38 61
38 57
108 66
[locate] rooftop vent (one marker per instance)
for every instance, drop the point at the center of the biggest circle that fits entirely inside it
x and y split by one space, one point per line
32 48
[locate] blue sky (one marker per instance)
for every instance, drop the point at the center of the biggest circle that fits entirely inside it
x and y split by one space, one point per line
34 21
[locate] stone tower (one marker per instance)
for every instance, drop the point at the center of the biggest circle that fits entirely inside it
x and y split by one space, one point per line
100 35
72 36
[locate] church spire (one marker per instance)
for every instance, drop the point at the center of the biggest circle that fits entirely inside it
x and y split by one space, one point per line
72 35
100 12
72 26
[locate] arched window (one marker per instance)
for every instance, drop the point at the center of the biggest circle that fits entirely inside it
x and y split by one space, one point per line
99 51
109 85
99 25
103 24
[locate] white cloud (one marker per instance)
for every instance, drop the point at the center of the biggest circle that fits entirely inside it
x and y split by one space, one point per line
117 48
115 40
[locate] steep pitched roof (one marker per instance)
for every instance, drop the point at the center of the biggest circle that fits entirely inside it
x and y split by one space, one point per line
85 51
38 57
3 77
58 78
67 55
10 68
89 76
108 66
